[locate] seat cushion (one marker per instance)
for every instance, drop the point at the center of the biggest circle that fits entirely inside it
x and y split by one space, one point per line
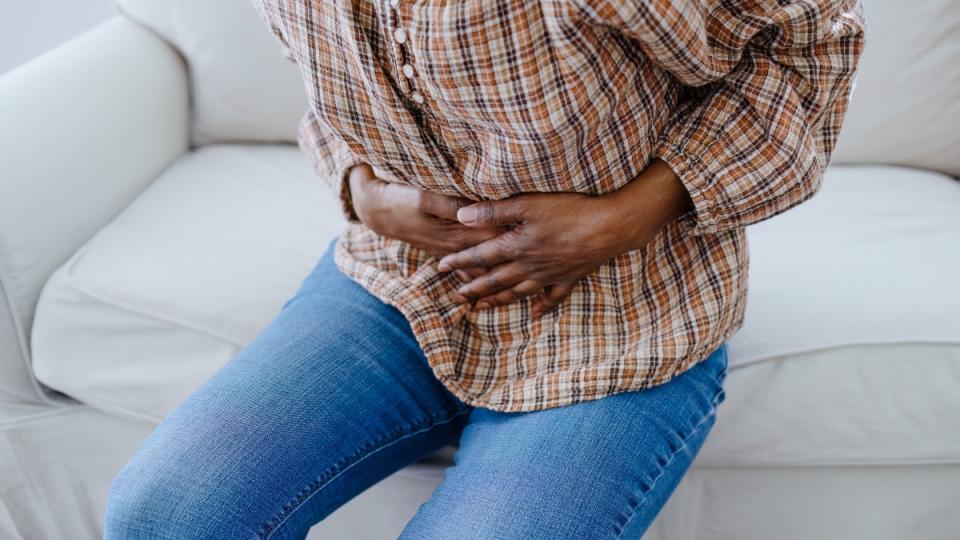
850 352
171 289
872 259
244 89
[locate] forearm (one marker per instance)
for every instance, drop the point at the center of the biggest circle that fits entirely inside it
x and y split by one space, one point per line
648 204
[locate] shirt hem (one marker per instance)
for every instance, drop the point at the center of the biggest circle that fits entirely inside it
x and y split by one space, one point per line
509 396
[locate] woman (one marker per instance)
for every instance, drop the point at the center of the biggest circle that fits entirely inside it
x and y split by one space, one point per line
544 257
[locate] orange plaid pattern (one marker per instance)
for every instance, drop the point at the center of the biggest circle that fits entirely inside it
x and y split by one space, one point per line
486 99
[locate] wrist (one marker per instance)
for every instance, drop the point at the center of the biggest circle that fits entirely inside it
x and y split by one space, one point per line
649 203
358 191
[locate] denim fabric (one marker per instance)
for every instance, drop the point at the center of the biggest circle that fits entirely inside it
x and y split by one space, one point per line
335 394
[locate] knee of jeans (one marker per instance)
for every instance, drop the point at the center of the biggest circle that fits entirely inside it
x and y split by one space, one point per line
144 504
138 506
133 507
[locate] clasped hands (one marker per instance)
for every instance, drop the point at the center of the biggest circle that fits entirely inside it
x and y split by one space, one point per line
533 244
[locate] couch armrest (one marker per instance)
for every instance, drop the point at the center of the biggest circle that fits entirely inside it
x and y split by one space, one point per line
83 130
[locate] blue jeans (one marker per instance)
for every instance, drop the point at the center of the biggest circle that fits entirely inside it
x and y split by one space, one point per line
335 394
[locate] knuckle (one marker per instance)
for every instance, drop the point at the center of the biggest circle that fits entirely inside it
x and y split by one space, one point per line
528 287
461 239
508 246
423 201
476 258
487 213
521 209
492 282
451 244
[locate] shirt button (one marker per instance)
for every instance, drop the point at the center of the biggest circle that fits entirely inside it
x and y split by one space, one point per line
408 71
417 98
394 3
400 35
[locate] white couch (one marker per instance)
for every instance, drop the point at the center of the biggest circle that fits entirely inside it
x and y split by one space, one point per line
155 214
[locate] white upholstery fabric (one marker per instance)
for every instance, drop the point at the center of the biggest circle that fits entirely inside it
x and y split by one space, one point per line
167 293
56 465
906 103
83 129
243 87
858 405
872 258
192 270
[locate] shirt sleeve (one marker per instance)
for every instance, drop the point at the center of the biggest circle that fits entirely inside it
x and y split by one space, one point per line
772 81
330 157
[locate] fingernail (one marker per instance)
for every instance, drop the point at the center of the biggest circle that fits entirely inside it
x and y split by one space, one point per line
459 298
482 305
443 266
467 214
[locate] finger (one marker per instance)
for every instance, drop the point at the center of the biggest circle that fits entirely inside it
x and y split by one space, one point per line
440 205
524 288
493 213
500 278
459 237
467 274
486 254
553 296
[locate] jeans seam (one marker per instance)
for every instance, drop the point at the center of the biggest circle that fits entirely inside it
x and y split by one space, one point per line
643 492
321 482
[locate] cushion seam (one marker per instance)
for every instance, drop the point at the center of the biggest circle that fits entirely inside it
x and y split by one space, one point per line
76 284
879 342
6 279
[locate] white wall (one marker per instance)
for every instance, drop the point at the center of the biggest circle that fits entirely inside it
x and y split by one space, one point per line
31 27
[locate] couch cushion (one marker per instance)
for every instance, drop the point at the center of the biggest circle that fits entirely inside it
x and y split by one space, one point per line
906 103
872 259
243 87
850 352
192 270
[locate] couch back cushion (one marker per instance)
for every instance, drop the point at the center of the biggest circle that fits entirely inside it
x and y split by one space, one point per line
243 88
906 102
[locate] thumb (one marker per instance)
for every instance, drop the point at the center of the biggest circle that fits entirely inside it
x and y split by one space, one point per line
442 206
492 213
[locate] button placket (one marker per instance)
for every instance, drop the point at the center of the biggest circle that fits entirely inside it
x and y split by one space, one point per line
400 37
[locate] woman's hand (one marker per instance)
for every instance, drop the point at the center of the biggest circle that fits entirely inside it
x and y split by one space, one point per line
555 239
423 219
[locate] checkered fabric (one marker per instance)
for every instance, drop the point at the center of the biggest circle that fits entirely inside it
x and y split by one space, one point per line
486 99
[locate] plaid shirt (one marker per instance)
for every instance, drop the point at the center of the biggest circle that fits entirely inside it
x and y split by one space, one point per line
490 98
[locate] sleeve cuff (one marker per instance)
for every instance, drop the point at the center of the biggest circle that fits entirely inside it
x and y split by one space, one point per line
695 177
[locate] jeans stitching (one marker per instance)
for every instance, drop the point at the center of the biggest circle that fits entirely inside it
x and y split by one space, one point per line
643 492
322 483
